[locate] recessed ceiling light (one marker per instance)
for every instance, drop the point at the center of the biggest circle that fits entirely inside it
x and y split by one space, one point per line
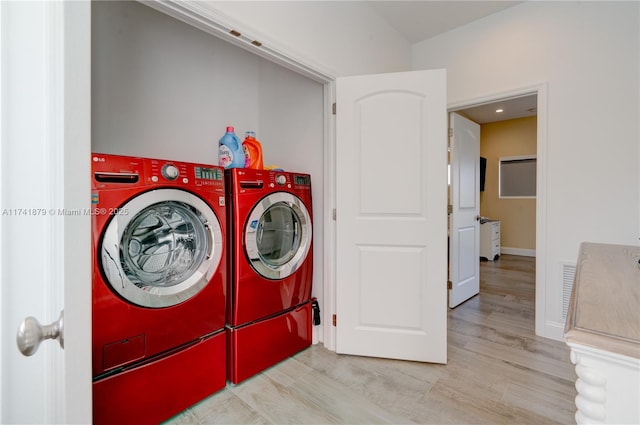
499 110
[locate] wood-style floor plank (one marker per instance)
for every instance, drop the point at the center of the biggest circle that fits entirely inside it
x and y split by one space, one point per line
498 372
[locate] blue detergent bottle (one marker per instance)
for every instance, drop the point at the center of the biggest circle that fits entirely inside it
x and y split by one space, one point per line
230 152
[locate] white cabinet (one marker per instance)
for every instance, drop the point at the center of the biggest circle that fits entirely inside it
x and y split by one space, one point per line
490 240
603 333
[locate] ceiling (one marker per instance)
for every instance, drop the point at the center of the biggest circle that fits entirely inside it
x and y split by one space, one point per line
420 20
515 107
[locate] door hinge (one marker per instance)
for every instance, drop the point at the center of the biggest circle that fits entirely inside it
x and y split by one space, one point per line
449 284
450 132
333 214
334 320
333 108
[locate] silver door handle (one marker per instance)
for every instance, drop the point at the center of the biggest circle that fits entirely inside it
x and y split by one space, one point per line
211 239
31 333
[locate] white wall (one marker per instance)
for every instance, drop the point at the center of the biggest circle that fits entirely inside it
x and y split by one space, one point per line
291 116
345 37
161 88
588 54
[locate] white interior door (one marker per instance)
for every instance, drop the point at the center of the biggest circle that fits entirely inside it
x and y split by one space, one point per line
464 270
391 225
45 257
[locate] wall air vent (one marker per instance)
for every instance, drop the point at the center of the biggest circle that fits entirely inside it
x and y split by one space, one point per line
568 271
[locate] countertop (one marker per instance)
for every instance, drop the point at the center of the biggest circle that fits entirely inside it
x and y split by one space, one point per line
604 311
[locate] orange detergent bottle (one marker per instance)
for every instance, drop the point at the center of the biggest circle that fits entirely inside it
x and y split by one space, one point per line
252 151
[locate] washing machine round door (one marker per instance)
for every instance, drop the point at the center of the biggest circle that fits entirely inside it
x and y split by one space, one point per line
161 248
277 235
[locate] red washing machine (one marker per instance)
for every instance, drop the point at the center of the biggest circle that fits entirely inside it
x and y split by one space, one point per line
271 265
159 287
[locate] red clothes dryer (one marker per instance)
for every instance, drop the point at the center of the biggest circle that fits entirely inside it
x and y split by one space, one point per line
271 266
159 287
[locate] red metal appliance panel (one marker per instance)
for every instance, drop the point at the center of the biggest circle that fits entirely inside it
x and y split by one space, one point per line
257 346
253 296
154 392
124 332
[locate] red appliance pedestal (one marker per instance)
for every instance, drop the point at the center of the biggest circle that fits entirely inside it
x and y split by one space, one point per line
260 345
155 391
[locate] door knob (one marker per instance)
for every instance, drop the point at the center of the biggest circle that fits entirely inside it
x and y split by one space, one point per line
31 333
478 217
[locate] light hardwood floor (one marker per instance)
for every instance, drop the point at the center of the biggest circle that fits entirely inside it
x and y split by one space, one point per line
498 372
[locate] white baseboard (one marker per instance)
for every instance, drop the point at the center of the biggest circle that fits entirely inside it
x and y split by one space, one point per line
553 330
518 251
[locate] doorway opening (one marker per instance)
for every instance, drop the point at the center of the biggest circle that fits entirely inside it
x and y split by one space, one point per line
507 119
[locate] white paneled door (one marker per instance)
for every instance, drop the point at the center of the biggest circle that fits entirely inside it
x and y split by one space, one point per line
464 270
45 228
391 149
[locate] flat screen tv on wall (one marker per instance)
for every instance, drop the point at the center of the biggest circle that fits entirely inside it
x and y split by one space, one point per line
483 172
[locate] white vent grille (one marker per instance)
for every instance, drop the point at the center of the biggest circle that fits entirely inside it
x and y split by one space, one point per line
568 274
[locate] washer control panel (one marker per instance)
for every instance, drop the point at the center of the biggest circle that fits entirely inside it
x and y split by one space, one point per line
281 179
188 174
170 172
115 170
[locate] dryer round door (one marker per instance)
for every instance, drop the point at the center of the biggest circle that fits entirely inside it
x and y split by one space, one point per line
162 248
277 235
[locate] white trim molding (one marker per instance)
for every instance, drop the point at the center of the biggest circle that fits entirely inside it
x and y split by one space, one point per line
204 16
544 327
522 252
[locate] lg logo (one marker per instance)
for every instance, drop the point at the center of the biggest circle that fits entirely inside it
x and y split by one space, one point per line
98 159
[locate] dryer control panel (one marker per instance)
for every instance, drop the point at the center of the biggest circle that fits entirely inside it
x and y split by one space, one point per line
246 180
290 180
